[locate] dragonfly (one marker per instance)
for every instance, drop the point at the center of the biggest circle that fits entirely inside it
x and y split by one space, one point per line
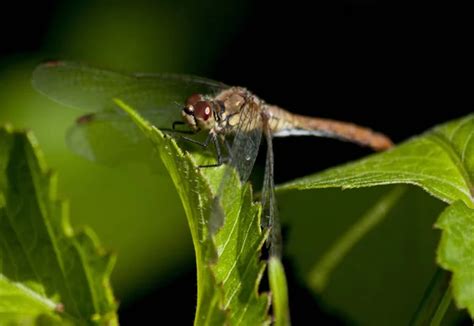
234 119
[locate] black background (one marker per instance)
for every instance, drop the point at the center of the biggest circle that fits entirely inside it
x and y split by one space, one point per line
399 68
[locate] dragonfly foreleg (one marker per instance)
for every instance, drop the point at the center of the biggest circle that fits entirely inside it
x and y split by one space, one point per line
211 137
197 142
173 129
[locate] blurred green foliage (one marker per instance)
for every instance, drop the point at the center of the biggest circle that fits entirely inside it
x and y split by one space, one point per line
135 211
383 276
50 274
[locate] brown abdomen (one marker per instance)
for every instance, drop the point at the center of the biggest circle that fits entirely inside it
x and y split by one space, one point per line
285 123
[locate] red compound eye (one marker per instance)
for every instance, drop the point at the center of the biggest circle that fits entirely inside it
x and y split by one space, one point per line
193 99
202 110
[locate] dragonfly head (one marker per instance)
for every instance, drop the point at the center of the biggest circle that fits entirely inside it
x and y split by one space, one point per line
197 113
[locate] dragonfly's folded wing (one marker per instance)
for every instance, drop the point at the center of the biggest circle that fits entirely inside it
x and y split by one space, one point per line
270 217
246 143
109 139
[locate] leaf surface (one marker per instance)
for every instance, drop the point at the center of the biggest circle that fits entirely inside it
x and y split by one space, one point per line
440 161
47 270
227 250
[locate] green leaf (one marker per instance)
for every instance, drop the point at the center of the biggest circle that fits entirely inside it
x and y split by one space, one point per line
48 273
456 251
441 161
227 252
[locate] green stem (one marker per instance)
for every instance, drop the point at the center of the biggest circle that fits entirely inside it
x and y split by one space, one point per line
442 307
320 273
436 300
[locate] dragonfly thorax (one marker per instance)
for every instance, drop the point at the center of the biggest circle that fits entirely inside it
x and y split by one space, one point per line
222 113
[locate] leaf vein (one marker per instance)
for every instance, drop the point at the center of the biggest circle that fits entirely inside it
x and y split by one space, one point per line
444 143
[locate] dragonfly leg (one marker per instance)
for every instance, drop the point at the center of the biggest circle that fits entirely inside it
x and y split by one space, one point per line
211 137
220 159
203 144
173 129
177 123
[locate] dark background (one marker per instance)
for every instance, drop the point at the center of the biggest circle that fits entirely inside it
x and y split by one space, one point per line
399 68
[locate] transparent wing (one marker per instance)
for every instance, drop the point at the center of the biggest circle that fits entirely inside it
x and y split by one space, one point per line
157 97
109 139
243 152
270 217
246 143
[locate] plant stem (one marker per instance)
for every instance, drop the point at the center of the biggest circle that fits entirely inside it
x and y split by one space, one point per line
436 300
319 275
442 307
